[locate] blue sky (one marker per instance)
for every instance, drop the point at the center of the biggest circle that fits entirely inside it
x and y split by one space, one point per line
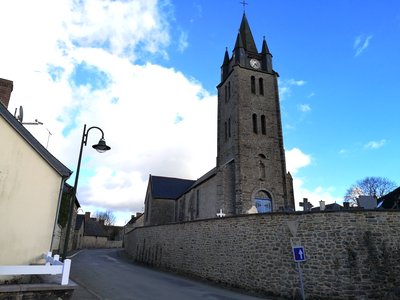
146 73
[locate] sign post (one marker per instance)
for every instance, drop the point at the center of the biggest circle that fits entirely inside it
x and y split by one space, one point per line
299 256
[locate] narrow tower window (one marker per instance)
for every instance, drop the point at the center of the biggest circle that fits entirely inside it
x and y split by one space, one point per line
229 90
261 86
226 131
226 93
253 85
229 127
255 130
263 125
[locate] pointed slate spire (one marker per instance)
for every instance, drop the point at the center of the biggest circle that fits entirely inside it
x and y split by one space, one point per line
239 51
226 57
266 62
225 65
247 36
265 49
239 41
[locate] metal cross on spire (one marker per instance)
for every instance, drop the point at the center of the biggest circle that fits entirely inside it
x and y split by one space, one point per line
244 3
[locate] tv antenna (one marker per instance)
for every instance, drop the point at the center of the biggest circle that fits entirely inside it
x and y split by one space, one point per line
20 118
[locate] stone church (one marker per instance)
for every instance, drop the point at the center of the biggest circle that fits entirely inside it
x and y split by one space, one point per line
250 175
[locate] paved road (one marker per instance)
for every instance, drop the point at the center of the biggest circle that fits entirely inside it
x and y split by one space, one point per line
109 274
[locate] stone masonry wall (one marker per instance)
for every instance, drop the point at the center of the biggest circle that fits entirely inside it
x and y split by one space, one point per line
350 254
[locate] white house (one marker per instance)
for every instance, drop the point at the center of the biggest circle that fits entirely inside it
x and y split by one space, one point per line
31 184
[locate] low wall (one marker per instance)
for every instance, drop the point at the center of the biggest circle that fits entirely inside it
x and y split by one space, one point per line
350 254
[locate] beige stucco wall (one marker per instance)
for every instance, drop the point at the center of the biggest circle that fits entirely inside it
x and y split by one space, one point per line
55 245
29 195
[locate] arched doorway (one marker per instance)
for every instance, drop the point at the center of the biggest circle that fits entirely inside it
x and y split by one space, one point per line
263 201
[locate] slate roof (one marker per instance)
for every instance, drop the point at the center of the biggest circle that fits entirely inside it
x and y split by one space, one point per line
94 228
34 143
390 200
168 187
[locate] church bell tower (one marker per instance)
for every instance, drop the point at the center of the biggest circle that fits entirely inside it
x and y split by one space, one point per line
250 138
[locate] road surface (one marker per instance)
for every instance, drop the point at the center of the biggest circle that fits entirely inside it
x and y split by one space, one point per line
109 274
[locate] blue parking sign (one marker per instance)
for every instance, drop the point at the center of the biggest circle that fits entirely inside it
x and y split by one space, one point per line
299 253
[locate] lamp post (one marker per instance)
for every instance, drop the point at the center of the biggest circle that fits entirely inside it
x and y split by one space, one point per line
101 147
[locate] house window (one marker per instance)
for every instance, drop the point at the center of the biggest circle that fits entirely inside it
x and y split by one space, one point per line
253 85
255 130
261 86
263 125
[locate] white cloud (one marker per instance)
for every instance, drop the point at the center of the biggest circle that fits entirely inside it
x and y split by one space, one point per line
361 43
183 41
296 159
295 82
312 94
304 107
118 26
137 106
375 144
285 87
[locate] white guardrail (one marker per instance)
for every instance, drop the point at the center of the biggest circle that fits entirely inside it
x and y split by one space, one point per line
53 266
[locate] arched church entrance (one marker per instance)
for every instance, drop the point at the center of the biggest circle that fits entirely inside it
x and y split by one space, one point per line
263 201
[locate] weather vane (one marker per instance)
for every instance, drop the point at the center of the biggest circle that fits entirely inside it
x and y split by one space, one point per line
244 3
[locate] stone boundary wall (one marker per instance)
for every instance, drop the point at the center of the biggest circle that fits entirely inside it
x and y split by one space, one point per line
350 254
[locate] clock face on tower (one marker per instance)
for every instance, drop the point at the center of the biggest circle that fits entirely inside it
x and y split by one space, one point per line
254 63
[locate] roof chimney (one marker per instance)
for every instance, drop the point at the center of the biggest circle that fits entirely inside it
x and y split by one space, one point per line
6 87
87 215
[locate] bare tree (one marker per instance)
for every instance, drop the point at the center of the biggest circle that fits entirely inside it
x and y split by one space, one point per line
108 217
369 186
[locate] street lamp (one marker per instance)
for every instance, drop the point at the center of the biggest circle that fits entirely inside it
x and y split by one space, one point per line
101 147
